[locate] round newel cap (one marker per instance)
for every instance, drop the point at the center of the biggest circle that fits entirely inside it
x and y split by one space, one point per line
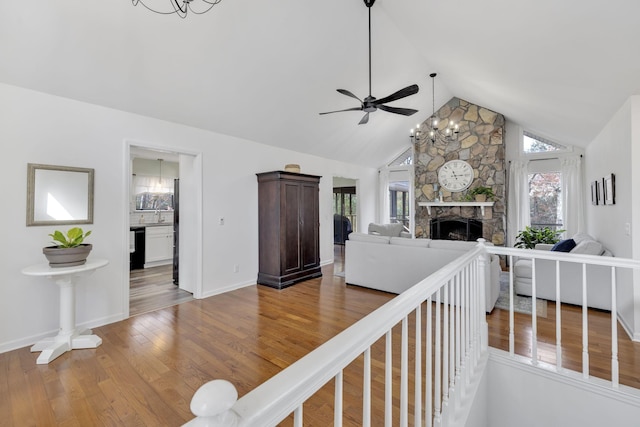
214 398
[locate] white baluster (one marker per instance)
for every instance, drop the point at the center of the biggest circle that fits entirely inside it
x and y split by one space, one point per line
534 316
512 338
452 338
473 307
445 347
428 399
458 329
585 325
473 283
338 398
212 404
483 273
366 392
558 320
438 373
388 380
297 417
468 332
418 370
404 374
614 331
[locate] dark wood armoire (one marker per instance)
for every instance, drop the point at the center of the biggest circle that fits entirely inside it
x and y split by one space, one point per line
288 223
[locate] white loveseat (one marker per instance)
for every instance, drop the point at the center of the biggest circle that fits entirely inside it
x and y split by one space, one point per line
394 264
598 277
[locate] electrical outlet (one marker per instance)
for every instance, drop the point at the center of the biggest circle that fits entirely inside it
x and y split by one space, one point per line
627 229
236 268
221 220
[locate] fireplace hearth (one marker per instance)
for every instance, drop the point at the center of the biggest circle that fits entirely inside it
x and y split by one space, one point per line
456 229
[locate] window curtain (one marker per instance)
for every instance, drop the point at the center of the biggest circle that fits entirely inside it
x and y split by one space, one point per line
572 195
518 199
383 186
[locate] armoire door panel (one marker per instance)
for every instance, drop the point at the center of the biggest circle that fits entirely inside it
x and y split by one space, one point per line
309 224
291 230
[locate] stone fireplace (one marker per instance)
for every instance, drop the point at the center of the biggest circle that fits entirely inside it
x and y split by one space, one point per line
480 142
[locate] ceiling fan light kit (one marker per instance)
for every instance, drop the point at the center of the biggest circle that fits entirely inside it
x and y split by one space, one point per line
434 129
179 7
370 103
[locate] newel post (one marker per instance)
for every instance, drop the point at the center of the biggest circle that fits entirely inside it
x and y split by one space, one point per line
212 403
484 278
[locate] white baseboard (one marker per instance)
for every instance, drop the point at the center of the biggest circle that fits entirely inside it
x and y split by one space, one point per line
634 336
32 339
229 288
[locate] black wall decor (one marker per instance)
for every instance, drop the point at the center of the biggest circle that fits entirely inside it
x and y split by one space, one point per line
609 189
595 192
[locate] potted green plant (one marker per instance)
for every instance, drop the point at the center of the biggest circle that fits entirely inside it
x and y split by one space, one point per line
529 237
480 194
68 249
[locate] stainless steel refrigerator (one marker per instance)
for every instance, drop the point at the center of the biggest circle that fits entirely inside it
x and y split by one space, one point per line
176 229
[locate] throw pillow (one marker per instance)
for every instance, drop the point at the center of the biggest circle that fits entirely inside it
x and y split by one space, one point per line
579 237
391 230
588 247
564 245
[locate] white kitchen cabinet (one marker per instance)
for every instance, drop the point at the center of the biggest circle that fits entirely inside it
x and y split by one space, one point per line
158 245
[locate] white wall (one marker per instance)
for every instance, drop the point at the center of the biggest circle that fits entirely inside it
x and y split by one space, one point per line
635 207
40 128
520 396
611 152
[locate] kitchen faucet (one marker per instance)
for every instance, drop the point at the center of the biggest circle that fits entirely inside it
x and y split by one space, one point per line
160 218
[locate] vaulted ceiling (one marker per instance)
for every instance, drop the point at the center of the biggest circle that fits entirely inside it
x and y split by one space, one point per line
263 70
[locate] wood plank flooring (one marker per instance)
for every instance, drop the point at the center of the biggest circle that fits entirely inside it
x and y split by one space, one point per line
153 288
148 366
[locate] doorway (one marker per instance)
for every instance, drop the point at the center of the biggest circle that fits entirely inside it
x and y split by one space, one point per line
155 178
345 218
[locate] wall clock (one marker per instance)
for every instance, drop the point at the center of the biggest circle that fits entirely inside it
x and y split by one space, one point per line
455 175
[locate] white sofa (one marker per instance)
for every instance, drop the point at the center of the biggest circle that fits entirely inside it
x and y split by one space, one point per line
394 264
598 277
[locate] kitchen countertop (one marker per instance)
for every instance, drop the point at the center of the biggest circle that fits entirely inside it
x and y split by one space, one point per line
151 224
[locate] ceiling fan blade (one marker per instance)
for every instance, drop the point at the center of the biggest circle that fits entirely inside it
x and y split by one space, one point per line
364 120
403 111
339 111
402 93
346 92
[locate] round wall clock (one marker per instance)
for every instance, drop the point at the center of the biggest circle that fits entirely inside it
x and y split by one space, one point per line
455 175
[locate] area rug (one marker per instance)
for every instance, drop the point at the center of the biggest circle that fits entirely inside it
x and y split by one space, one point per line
521 304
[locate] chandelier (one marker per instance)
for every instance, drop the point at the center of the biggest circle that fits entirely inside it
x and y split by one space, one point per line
179 7
433 127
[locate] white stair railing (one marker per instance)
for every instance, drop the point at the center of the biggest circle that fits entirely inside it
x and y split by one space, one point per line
613 263
453 351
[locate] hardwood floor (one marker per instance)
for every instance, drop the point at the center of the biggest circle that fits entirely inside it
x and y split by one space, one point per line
153 288
148 366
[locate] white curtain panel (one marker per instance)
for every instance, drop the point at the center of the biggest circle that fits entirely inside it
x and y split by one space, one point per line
383 186
572 195
518 199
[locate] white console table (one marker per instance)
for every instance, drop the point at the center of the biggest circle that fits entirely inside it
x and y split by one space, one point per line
68 337
482 205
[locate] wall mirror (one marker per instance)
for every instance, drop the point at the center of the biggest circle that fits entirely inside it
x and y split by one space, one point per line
59 195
